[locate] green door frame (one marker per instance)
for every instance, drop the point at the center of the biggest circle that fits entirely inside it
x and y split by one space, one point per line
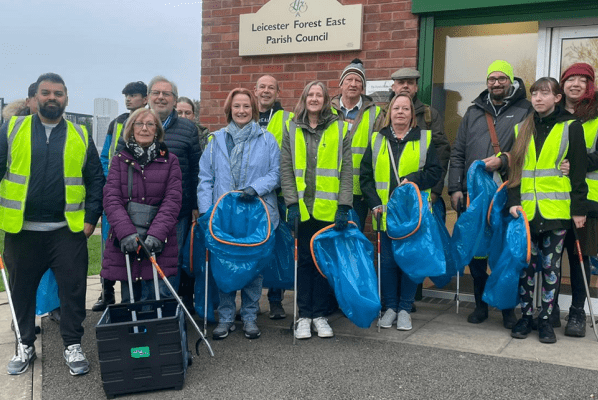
492 15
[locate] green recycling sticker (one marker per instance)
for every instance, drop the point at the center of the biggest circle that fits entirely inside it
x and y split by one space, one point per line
140 352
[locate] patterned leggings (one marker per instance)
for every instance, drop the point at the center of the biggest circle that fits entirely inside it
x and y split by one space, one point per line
547 247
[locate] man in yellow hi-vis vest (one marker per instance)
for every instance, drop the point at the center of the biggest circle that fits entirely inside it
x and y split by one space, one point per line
50 202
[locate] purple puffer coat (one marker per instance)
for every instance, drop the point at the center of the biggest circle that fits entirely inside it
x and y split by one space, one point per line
158 183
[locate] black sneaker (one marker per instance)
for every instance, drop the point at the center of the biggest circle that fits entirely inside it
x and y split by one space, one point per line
508 318
102 303
221 331
276 310
54 315
576 326
21 360
522 328
545 331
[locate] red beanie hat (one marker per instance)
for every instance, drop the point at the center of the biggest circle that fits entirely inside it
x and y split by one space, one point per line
582 69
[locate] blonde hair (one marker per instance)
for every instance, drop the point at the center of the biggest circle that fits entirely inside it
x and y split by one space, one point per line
413 123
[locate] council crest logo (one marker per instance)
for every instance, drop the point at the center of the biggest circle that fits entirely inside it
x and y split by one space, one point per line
297 7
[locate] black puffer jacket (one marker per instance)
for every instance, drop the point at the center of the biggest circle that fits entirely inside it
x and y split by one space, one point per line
473 137
181 139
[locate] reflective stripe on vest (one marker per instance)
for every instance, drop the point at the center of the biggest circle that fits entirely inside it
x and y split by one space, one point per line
14 185
543 185
328 167
362 134
590 131
412 159
277 124
115 137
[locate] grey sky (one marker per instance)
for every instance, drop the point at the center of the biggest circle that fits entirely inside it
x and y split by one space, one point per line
99 46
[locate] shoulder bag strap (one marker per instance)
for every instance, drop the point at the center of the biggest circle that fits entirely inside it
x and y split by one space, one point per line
493 137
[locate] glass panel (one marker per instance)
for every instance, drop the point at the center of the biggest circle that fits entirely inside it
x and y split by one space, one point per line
462 55
579 50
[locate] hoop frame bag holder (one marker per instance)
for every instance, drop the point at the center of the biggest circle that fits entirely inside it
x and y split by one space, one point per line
416 239
346 259
141 215
240 238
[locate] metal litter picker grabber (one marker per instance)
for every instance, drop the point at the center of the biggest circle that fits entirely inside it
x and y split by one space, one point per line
12 311
585 281
176 296
379 262
295 280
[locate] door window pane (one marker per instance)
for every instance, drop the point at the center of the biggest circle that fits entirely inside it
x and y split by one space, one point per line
579 50
462 55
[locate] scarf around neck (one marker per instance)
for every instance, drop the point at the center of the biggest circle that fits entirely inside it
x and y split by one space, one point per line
240 137
143 155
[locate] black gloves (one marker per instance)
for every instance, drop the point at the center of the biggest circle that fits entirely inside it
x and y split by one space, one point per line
341 218
248 194
154 244
293 213
129 244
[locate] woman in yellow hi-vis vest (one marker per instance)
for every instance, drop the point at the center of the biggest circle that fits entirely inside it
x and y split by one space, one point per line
577 82
550 199
316 175
401 149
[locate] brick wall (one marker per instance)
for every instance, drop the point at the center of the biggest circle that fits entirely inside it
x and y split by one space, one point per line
390 35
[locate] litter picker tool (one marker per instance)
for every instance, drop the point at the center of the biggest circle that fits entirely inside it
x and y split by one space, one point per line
176 296
585 282
205 304
460 210
295 280
378 251
131 293
12 310
157 288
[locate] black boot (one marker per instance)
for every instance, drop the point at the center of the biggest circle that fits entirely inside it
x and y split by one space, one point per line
508 318
522 328
545 331
555 317
576 326
107 298
480 314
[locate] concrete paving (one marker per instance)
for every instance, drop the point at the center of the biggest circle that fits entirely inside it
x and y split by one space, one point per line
442 357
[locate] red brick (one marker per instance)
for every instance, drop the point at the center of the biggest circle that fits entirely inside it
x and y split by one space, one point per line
240 78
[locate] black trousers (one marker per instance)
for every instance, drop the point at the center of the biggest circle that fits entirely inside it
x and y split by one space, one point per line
578 290
28 255
314 295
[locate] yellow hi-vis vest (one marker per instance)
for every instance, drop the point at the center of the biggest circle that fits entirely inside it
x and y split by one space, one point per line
118 128
277 123
412 159
14 184
362 133
542 182
590 132
329 161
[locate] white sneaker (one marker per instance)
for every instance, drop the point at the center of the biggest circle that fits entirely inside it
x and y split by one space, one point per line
404 321
321 326
389 318
303 330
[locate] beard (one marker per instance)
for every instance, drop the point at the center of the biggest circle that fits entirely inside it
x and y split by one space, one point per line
498 96
50 113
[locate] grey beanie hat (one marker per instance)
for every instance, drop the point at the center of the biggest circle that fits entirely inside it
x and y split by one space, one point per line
356 67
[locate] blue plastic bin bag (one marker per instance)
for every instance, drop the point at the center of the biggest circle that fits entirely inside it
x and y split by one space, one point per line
46 298
472 234
439 213
280 270
594 265
417 242
240 238
346 259
197 252
510 253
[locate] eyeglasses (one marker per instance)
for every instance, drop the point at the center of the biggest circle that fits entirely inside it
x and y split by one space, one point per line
165 93
148 125
500 79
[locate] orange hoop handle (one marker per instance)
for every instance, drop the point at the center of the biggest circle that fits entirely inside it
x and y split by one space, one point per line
191 246
239 244
492 201
311 245
419 222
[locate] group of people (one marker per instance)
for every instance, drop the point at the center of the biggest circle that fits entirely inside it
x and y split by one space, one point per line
311 166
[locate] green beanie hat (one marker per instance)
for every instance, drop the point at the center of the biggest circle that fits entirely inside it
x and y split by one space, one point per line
501 66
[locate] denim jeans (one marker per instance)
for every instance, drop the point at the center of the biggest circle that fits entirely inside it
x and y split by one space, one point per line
250 298
144 290
390 280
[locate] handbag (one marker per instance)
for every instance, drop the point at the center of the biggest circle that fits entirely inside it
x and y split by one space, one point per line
141 215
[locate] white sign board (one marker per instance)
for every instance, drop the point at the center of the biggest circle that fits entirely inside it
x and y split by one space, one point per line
301 26
378 86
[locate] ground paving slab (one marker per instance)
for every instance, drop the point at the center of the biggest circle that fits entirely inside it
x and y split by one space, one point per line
442 357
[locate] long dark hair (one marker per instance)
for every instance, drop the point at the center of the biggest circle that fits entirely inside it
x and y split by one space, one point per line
527 130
